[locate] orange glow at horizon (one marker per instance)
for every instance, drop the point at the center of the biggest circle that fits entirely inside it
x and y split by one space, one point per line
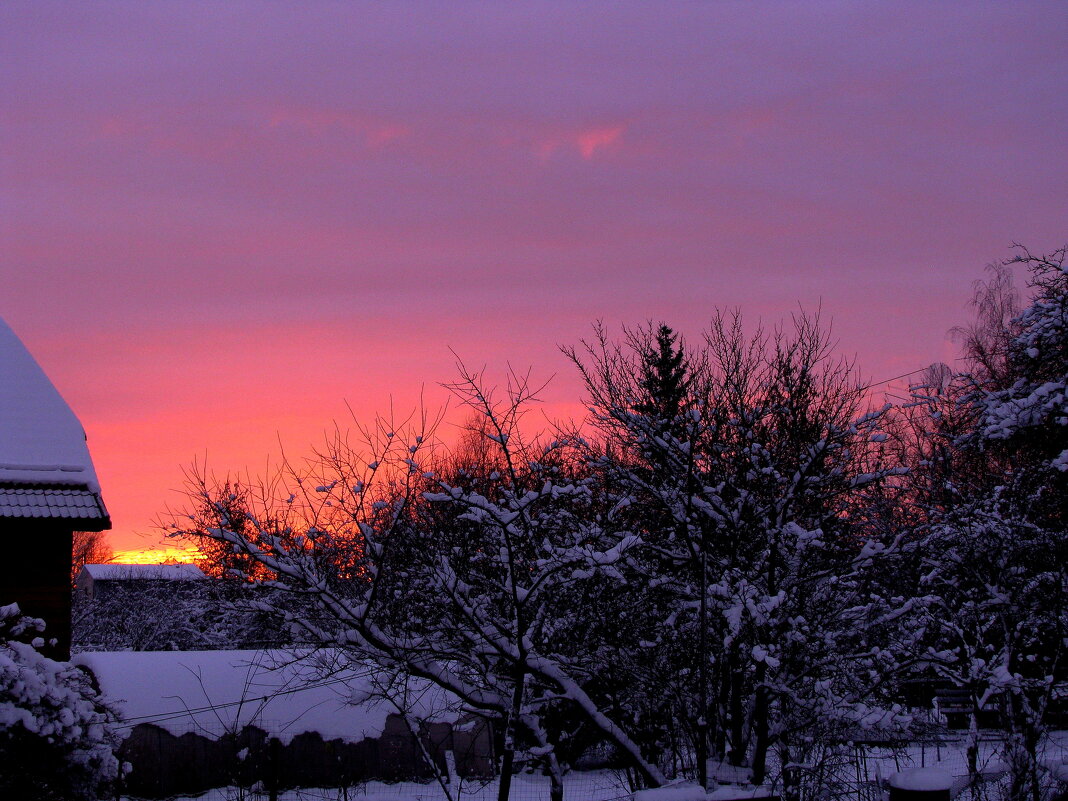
155 555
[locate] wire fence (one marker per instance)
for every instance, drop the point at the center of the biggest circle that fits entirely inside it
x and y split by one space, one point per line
857 772
586 786
950 754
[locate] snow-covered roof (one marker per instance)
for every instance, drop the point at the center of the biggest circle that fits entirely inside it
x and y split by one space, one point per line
216 692
135 572
41 440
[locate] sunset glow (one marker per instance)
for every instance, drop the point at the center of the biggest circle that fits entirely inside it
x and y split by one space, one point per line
224 226
157 555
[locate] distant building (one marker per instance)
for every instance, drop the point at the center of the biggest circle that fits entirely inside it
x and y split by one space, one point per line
131 607
97 581
48 490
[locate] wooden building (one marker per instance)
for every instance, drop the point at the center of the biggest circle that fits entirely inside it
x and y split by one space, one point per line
48 490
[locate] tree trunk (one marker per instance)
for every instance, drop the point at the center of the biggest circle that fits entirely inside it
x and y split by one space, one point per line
723 716
508 751
1031 744
552 764
556 778
972 751
1023 742
791 776
275 770
760 727
739 747
702 712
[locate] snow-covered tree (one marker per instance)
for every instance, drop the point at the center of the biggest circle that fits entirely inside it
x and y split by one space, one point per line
528 533
1030 415
56 736
225 503
996 548
1000 622
452 578
746 498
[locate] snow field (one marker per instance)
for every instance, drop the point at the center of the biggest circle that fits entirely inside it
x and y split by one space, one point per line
214 693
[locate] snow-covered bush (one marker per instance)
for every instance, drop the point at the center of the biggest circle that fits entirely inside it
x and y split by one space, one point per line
56 735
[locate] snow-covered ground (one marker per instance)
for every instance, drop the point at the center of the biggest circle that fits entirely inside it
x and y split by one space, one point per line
215 692
950 757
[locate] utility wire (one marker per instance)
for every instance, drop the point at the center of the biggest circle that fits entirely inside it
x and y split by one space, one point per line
131 722
910 372
896 377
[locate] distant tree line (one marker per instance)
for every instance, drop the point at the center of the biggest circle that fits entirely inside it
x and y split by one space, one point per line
736 561
173 615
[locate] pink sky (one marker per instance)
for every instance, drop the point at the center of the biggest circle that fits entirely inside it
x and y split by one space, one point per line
220 222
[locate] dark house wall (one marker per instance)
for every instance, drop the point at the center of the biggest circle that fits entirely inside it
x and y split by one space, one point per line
36 576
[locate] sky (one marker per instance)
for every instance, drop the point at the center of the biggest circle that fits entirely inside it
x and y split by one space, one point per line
224 225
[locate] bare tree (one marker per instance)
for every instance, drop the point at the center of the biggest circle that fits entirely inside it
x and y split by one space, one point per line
986 341
453 578
90 548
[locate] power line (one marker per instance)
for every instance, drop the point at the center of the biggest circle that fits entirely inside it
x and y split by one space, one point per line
911 372
896 377
164 716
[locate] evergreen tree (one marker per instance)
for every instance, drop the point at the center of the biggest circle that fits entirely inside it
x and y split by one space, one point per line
665 376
